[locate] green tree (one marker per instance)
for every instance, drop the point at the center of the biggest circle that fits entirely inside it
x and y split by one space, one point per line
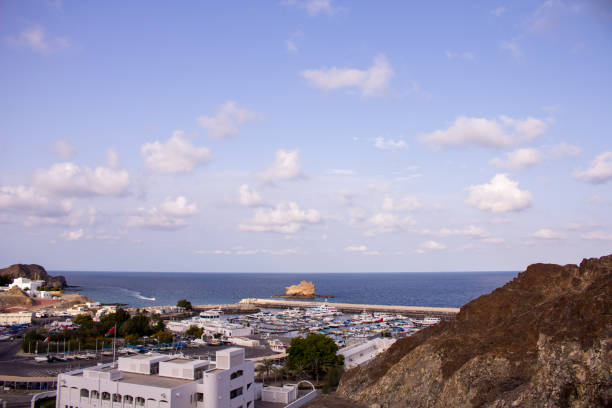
131 339
5 280
109 320
163 337
266 368
314 352
85 321
185 304
194 331
29 341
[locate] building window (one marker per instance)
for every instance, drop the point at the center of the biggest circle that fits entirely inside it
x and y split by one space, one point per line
128 399
105 396
249 385
84 393
116 398
236 393
95 394
200 397
237 374
155 368
140 401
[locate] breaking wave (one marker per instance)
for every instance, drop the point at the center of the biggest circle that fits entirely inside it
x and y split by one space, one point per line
136 294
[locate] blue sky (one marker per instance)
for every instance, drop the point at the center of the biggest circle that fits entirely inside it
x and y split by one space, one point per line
304 135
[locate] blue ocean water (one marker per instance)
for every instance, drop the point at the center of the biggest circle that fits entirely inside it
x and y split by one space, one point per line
440 289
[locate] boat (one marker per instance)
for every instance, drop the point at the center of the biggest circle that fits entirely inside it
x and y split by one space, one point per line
211 314
41 359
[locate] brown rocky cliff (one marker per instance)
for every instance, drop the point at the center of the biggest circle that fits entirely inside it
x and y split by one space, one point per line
33 272
543 339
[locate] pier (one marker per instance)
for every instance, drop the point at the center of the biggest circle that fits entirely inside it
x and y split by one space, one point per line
444 313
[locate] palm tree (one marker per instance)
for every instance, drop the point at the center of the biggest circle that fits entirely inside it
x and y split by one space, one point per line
266 367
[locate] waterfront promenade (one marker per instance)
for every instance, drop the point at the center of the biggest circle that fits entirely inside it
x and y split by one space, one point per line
444 313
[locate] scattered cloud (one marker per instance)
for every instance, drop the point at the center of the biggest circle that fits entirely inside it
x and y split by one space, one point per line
341 172
243 251
512 47
499 10
500 195
389 144
564 150
314 7
384 223
501 132
73 235
291 42
373 81
286 218
285 167
63 149
465 55
176 155
179 207
470 232
428 246
69 179
406 203
226 123
547 233
37 40
597 236
169 215
112 158
600 170
356 248
28 200
249 197
519 159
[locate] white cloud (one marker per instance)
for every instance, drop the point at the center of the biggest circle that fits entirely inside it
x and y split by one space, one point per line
384 222
519 159
600 170
286 218
547 233
500 195
501 132
314 7
36 39
465 55
471 231
112 158
69 179
248 196
389 144
430 246
356 248
73 235
597 236
178 207
242 251
512 47
63 149
291 43
341 172
169 215
176 155
28 200
227 122
499 10
285 167
406 203
373 81
564 150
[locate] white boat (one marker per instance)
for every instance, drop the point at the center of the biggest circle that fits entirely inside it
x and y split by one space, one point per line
430 321
41 359
323 310
211 314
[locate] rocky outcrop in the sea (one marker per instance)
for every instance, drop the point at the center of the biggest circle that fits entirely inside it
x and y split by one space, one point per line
542 340
34 272
303 289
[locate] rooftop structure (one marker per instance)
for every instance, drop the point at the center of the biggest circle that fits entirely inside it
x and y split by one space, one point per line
162 381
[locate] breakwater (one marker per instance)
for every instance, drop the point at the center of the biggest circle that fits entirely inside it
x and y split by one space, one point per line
444 313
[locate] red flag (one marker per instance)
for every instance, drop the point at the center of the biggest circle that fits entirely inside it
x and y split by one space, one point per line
110 332
47 339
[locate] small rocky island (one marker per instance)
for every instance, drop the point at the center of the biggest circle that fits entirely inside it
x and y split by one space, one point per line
303 290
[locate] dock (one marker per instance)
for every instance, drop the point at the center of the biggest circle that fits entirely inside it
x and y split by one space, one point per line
444 313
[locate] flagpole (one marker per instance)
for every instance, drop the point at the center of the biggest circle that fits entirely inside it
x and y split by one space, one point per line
114 340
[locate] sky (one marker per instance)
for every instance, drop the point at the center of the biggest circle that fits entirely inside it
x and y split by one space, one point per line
305 135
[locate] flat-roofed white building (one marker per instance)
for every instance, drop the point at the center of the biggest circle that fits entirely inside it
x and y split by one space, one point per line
9 319
362 353
27 285
226 329
162 381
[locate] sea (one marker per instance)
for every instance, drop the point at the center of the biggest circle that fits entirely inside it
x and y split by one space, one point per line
141 289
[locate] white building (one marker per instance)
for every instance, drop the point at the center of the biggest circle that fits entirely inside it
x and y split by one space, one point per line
226 329
162 381
362 353
285 394
9 319
27 285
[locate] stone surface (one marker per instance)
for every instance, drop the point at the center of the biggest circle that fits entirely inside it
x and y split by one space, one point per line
303 289
544 339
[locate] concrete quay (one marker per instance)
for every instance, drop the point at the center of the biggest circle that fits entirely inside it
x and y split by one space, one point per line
444 313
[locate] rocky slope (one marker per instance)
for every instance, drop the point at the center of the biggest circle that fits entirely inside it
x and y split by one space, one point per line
542 340
34 272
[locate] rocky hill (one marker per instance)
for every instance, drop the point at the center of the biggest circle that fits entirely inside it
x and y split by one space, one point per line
542 340
34 272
